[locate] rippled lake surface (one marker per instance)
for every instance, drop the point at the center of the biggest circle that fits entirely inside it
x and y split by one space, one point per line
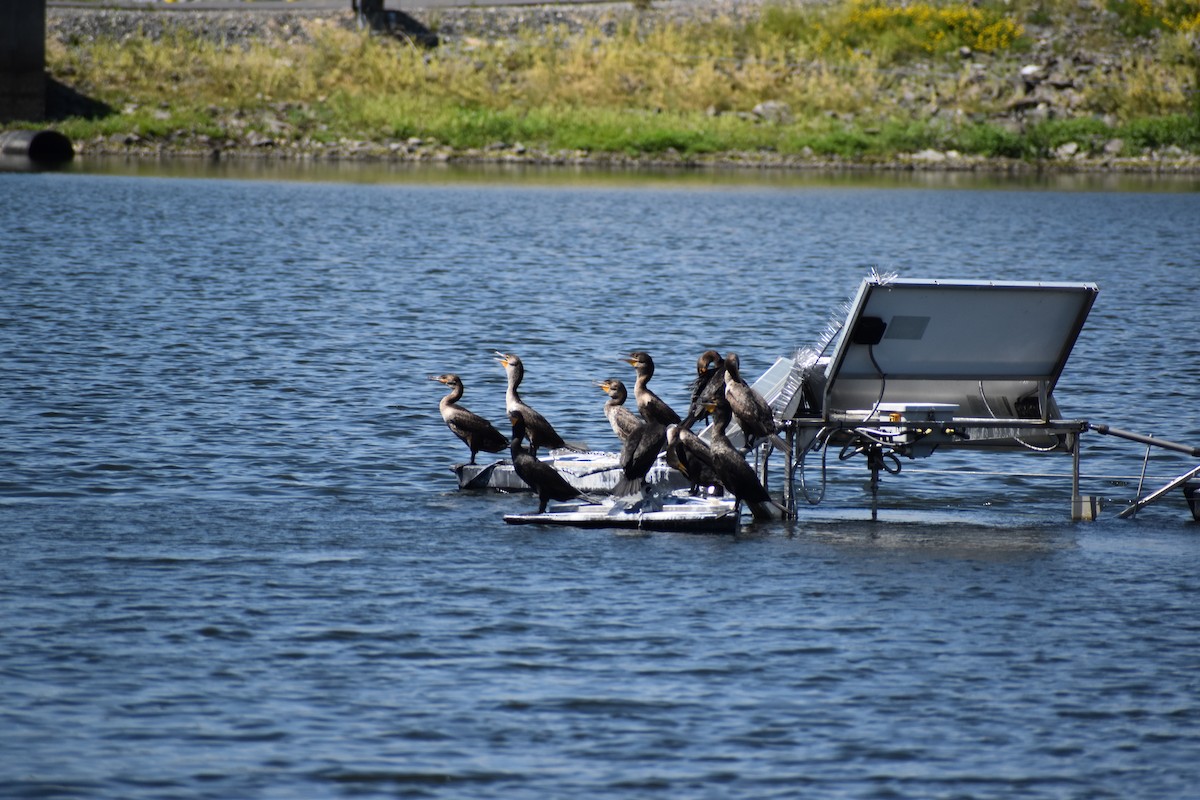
234 563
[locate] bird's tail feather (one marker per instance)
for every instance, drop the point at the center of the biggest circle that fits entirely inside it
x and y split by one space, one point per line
767 510
627 487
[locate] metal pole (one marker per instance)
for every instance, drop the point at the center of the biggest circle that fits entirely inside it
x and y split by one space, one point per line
1142 479
1137 437
1076 502
1082 508
875 460
789 462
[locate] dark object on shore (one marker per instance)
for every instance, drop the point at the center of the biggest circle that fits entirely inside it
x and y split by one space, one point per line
372 15
34 149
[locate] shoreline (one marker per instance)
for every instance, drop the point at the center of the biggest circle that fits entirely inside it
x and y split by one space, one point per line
517 156
455 25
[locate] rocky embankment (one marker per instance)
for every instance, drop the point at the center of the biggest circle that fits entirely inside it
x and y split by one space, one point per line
1044 84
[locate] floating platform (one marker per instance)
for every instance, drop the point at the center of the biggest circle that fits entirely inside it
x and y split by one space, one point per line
678 512
593 472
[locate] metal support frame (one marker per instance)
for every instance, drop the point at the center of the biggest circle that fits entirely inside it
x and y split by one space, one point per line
876 452
1083 507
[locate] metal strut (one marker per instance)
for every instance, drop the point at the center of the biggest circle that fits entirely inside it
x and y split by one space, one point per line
874 463
1137 505
1151 441
877 455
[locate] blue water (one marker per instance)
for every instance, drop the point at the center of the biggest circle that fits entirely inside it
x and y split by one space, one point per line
234 564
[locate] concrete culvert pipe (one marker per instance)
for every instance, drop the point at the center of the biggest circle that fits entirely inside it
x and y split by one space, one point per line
39 147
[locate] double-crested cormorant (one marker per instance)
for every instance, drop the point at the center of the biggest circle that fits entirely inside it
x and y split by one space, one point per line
691 455
475 431
753 413
710 371
622 420
735 473
540 432
650 406
541 477
638 454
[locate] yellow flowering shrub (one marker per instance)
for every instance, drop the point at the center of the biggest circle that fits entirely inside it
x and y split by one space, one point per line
925 28
1141 16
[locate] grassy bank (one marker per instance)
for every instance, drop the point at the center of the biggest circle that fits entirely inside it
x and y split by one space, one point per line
862 81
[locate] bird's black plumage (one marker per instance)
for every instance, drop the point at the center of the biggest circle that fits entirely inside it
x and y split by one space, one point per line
710 372
638 454
544 479
735 473
691 455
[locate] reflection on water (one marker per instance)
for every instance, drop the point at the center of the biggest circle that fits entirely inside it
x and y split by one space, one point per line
367 172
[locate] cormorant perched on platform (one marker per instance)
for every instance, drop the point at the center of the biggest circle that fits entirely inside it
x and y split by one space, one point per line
541 477
650 406
753 413
710 371
638 454
540 432
622 420
475 431
691 455
735 473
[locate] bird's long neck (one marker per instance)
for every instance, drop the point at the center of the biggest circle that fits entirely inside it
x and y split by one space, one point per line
719 422
456 393
640 387
511 398
733 372
515 446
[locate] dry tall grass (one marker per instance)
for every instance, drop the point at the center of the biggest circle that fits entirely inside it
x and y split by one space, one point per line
857 78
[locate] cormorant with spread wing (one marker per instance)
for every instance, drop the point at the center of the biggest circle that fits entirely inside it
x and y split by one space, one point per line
475 431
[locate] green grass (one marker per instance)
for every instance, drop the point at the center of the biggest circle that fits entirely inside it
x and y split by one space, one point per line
862 80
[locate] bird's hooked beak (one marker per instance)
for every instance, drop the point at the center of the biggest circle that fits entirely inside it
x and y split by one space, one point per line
629 360
438 378
502 358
